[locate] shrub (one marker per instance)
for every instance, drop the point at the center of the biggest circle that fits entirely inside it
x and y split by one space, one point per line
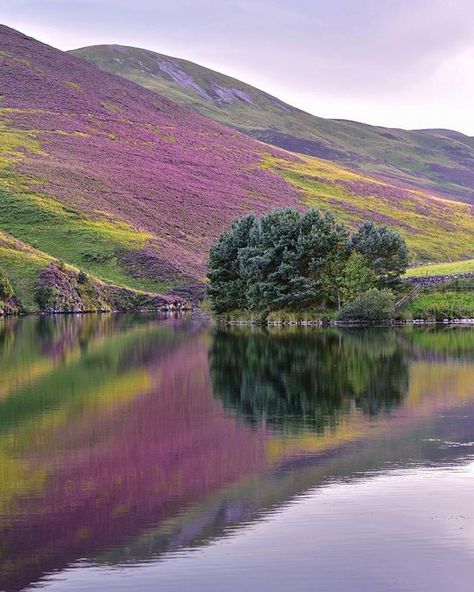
372 306
82 278
44 296
6 290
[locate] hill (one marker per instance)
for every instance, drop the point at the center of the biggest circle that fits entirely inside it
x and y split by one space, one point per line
438 160
131 188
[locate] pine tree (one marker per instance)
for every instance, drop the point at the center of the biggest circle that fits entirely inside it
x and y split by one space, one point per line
226 287
384 250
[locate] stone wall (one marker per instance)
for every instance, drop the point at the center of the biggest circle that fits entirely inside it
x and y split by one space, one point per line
435 280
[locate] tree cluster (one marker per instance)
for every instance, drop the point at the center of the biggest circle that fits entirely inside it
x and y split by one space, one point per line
296 261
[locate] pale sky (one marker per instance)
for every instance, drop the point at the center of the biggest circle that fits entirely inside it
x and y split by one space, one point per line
400 63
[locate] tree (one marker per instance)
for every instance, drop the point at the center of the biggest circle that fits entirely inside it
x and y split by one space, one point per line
268 264
288 253
296 261
226 286
384 250
357 278
332 278
6 290
326 251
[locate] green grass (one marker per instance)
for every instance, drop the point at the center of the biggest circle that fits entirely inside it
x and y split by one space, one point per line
276 316
438 306
88 244
23 265
453 268
23 269
285 316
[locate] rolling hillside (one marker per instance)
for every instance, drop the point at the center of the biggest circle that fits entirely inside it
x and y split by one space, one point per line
131 188
438 160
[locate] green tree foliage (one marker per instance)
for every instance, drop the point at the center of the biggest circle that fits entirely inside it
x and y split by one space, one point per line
6 290
371 306
295 261
44 296
287 255
385 251
269 264
226 285
357 278
333 276
275 262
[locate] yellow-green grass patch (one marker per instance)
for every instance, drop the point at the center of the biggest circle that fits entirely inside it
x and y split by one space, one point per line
443 305
23 269
453 268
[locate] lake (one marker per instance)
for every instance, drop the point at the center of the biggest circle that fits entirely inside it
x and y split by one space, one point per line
161 454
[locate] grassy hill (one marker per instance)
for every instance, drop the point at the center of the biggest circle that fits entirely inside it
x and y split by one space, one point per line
131 188
438 160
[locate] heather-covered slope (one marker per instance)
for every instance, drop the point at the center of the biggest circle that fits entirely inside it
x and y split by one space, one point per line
108 177
439 160
132 189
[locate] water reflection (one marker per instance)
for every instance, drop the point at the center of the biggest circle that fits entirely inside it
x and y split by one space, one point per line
291 378
123 439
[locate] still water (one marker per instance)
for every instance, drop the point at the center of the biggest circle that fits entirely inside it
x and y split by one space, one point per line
139 453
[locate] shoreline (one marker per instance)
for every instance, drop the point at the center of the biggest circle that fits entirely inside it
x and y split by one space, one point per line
245 322
53 313
355 324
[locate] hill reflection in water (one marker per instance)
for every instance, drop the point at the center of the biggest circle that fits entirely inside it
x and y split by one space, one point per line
124 438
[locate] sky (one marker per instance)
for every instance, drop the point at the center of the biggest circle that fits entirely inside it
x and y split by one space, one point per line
399 63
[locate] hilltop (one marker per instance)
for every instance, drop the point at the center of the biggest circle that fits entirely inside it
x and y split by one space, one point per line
103 176
439 160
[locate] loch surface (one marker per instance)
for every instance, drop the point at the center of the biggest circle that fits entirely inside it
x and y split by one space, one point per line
160 454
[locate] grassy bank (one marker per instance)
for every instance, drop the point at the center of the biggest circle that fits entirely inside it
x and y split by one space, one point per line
277 317
453 302
453 268
438 306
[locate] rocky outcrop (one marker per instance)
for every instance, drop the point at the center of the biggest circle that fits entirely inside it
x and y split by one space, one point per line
61 290
11 306
123 299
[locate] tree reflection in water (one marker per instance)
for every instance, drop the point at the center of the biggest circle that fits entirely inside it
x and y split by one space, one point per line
292 379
